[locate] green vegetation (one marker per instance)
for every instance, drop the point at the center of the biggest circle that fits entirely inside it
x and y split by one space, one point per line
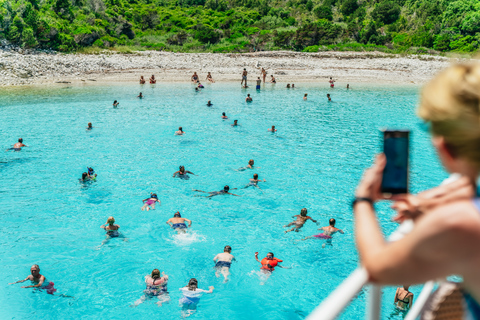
417 26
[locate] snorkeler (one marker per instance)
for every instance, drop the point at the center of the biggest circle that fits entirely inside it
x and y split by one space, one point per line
153 80
39 281
244 77
223 262
182 173
209 78
249 166
115 103
194 77
224 116
191 297
90 175
149 203
235 123
156 287
217 193
89 126
259 82
178 223
268 264
248 98
305 97
17 146
111 229
179 132
327 231
328 96
142 80
254 182
331 82
209 103
301 219
272 129
140 95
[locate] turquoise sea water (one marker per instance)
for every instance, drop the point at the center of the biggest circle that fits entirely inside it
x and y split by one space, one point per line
314 160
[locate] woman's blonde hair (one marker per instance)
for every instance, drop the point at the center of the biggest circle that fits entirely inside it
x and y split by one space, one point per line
451 104
111 220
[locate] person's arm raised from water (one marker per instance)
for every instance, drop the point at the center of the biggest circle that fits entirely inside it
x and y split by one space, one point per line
169 222
190 172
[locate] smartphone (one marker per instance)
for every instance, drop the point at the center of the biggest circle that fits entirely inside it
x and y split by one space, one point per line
395 174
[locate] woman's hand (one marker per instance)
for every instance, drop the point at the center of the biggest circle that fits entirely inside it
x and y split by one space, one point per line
369 186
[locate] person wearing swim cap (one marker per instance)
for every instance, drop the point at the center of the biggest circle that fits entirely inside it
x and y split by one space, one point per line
182 173
224 116
223 261
149 203
254 182
156 287
39 281
272 129
191 297
178 223
179 132
111 229
18 146
301 219
217 193
327 234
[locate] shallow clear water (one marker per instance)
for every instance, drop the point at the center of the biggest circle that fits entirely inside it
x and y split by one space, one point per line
314 161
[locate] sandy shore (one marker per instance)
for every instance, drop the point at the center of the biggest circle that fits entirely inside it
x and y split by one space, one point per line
42 68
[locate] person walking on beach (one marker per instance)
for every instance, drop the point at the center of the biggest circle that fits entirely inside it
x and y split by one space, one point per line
301 219
178 223
223 261
244 77
248 98
39 281
264 74
258 83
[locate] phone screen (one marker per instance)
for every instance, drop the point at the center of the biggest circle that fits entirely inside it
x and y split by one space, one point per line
395 174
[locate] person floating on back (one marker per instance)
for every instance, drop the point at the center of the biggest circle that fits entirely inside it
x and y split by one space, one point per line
223 261
301 219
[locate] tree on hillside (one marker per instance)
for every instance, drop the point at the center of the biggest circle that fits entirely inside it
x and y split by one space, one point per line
386 12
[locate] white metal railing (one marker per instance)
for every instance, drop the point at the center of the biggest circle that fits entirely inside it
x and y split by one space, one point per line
341 297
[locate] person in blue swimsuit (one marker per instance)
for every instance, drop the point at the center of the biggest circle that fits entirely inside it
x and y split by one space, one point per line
178 223
446 233
223 261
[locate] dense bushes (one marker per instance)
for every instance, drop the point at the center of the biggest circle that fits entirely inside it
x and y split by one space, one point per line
243 25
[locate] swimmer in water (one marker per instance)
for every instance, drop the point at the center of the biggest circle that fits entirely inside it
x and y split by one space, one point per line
293 86
403 298
224 116
140 95
327 234
39 281
111 229
217 193
288 85
331 82
179 132
115 104
17 146
268 264
149 203
200 85
348 86
89 126
191 297
209 103
272 129
209 78
156 287
194 78
89 175
142 80
196 89
249 166
254 182
223 261
301 219
272 79
259 82
305 97
235 123
178 223
248 98
328 96
182 173
153 80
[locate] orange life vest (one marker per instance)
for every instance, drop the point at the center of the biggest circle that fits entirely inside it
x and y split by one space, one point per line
270 264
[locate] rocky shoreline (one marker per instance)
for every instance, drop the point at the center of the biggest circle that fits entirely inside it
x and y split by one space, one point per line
18 67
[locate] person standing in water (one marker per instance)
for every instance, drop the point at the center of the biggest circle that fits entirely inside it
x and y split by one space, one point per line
403 298
259 82
248 98
89 126
140 95
301 219
305 97
39 281
111 230
235 123
329 98
179 132
17 146
244 77
272 129
254 182
178 223
223 261
217 193
149 203
331 81
209 103
156 287
348 86
182 173
191 297
115 104
224 116
268 265
142 80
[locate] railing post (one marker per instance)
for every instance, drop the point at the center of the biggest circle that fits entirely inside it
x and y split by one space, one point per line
374 302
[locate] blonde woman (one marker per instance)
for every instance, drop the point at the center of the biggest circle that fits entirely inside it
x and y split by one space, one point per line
445 238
